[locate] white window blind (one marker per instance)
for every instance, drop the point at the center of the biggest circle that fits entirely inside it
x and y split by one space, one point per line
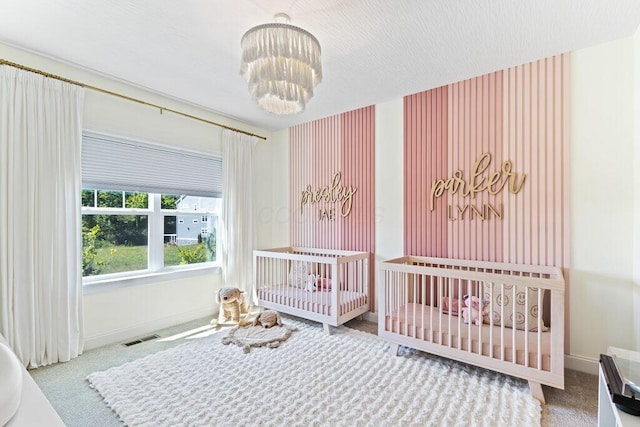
115 163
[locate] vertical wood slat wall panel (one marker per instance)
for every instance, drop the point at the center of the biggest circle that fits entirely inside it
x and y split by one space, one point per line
476 114
342 143
538 146
519 114
357 166
425 155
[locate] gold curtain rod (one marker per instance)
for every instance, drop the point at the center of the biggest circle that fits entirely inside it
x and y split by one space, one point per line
129 98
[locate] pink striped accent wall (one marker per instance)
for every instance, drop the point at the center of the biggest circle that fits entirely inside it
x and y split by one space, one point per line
343 143
475 127
425 159
518 115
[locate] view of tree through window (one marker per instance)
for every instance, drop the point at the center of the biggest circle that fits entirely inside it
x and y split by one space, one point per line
117 230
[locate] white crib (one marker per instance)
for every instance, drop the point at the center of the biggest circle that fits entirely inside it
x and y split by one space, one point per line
417 309
341 284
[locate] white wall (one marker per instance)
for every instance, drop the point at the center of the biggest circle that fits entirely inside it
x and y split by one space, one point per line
271 189
117 314
389 198
602 199
121 313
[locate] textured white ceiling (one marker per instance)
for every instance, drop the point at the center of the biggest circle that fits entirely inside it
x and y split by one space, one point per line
372 50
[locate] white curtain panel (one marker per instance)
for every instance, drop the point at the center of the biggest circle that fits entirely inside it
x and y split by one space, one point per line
238 221
40 219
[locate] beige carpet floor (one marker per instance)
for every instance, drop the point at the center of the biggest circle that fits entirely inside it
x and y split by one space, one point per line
65 386
576 405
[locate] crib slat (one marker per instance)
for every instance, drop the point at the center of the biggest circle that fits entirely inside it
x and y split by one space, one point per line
526 326
423 293
413 320
513 326
431 290
470 291
450 294
398 301
502 355
478 291
459 316
490 320
539 335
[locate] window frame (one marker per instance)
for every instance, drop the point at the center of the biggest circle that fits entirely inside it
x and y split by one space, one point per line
156 270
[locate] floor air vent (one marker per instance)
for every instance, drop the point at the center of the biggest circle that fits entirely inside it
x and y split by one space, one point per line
139 340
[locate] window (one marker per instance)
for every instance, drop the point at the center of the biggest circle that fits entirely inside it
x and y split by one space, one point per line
128 231
115 229
138 215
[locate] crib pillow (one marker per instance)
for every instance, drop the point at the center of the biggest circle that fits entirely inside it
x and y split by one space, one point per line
507 301
298 273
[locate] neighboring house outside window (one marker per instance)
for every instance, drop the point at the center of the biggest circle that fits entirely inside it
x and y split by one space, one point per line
187 231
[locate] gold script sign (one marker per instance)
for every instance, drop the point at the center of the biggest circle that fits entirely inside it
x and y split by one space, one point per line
493 183
332 193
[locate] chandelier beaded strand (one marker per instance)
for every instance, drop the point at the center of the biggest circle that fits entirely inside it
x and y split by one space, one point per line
281 63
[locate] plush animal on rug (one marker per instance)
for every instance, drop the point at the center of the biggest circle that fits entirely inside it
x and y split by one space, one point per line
267 319
258 336
232 305
474 309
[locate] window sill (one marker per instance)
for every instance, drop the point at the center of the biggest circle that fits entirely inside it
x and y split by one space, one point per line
93 286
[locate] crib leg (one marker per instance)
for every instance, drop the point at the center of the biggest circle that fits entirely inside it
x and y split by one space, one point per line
394 349
536 391
327 328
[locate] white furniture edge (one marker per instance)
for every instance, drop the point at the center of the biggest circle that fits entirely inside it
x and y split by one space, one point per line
10 384
608 414
34 409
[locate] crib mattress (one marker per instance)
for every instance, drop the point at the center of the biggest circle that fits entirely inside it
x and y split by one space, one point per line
421 322
317 302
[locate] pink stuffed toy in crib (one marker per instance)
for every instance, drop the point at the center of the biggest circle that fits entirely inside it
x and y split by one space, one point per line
474 309
317 283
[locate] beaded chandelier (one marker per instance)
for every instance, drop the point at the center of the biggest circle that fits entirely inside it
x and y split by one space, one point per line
281 63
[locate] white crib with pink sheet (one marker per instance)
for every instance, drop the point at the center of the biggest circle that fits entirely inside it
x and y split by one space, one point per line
421 303
324 285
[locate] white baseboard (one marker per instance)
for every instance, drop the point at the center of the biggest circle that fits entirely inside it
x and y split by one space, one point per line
370 317
128 333
581 363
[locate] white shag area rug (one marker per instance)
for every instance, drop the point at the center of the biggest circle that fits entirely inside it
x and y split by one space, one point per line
349 378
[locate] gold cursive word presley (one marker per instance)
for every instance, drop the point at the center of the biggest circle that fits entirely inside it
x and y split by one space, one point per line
492 183
333 193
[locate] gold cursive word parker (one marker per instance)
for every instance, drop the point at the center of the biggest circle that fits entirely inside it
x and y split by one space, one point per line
492 183
334 193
